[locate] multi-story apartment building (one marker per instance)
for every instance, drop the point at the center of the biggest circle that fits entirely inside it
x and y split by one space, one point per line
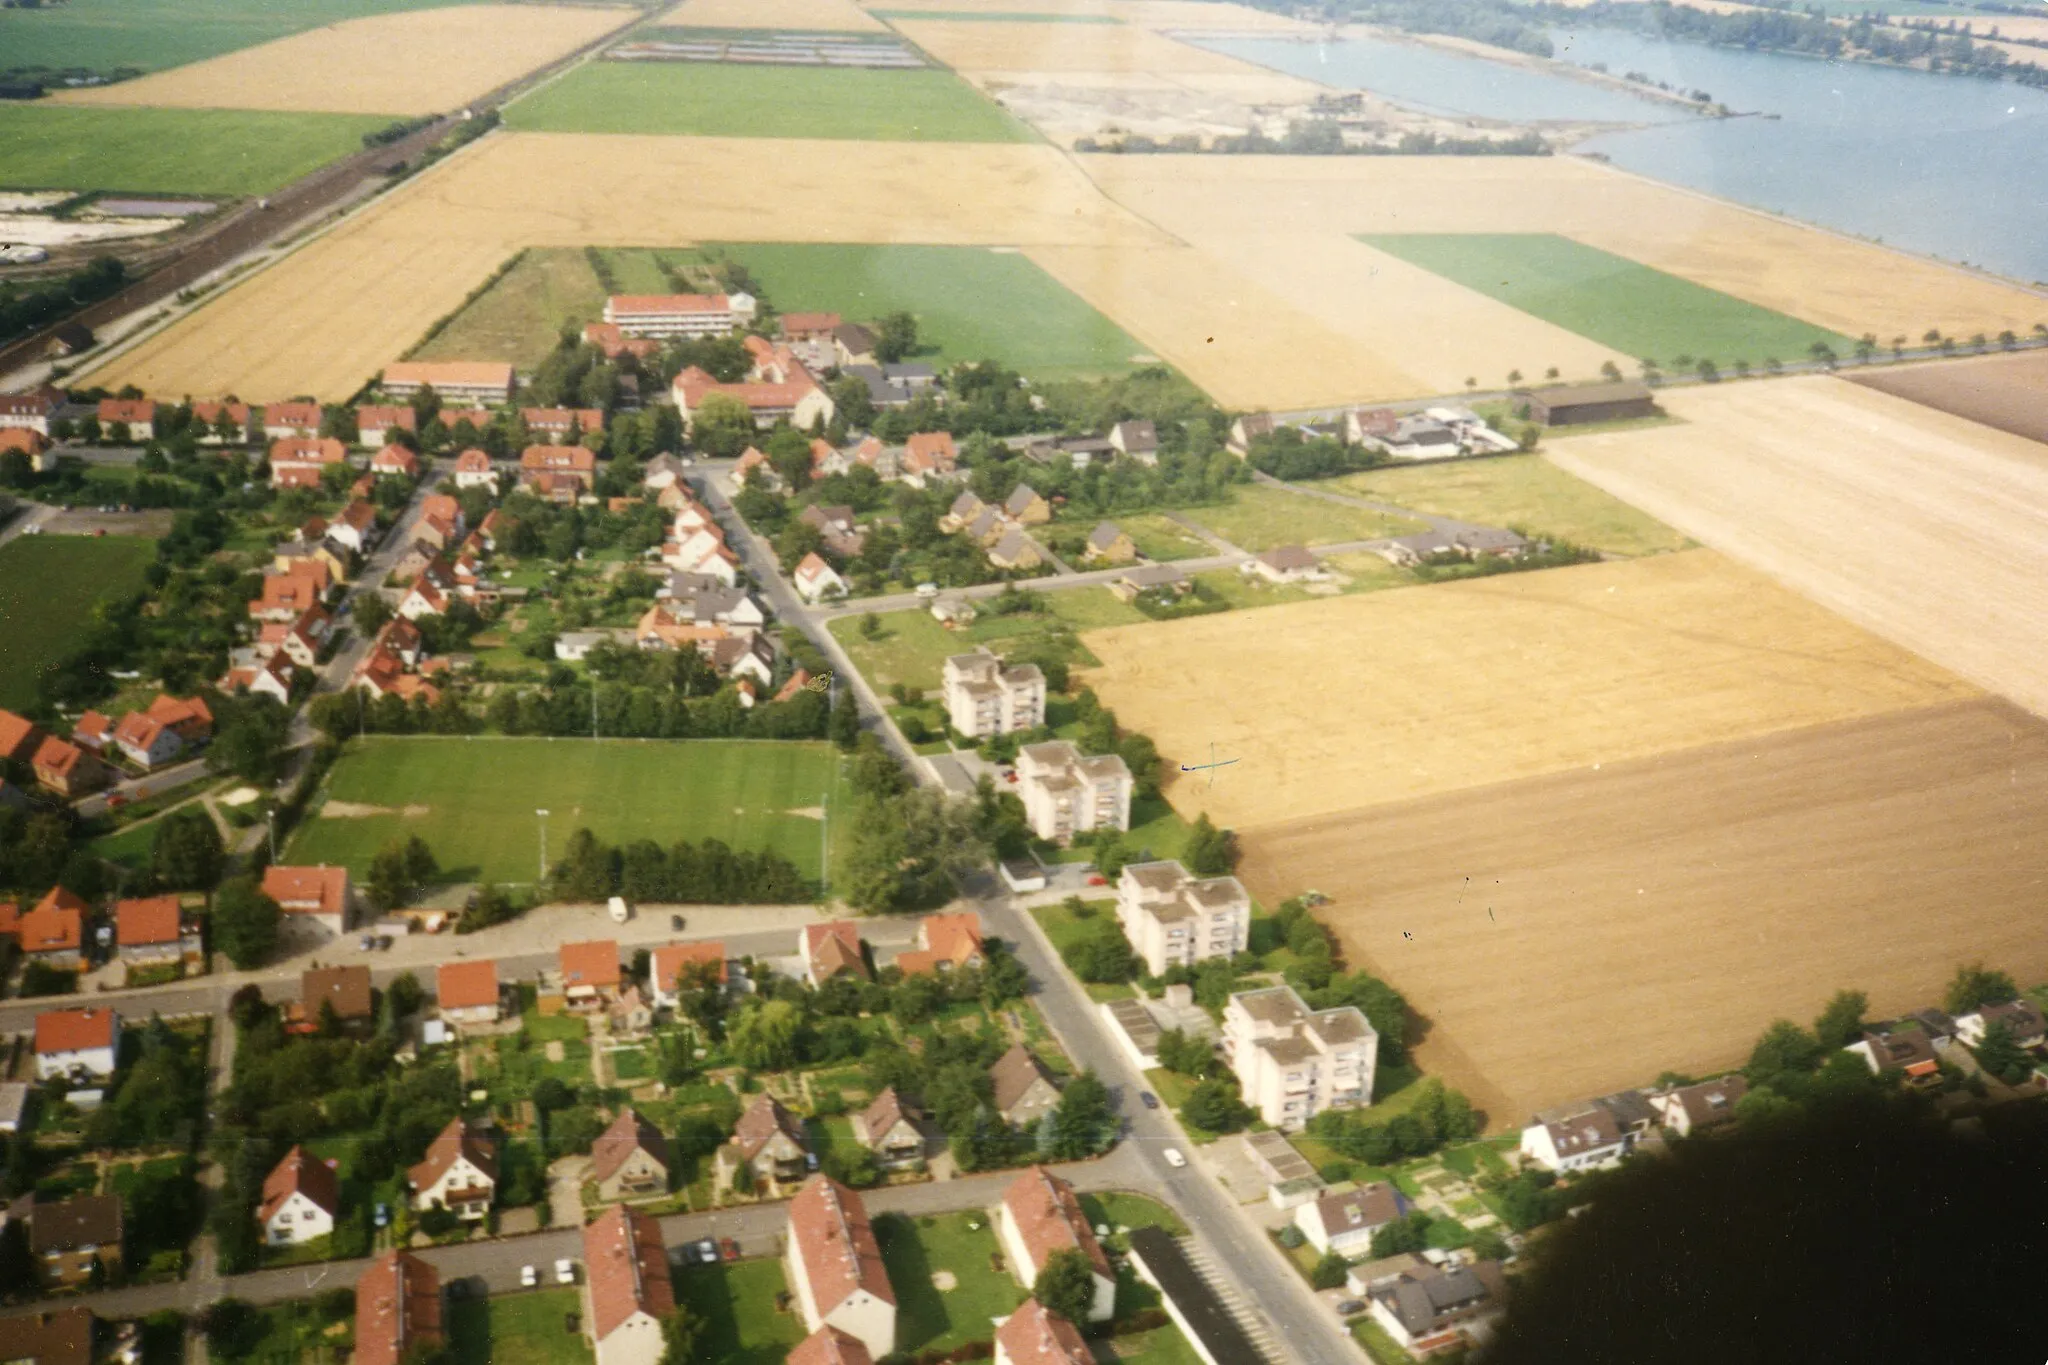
1173 919
1293 1062
678 315
985 698
1065 794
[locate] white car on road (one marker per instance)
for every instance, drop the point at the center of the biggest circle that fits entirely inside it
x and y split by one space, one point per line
1174 1158
565 1271
529 1276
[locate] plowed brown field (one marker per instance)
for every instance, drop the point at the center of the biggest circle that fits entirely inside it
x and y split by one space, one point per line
1582 932
2009 392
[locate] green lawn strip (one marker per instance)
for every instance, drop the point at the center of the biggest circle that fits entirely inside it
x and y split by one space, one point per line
1524 491
912 647
528 1328
48 587
1383 1349
170 151
962 1244
1610 299
736 1303
520 316
157 34
703 99
1064 927
1161 1346
1131 1211
1258 518
971 303
1093 608
1158 537
481 796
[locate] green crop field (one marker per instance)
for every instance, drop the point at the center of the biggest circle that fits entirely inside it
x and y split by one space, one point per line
721 100
519 317
48 585
155 34
971 303
1258 518
1525 491
1609 299
169 151
473 801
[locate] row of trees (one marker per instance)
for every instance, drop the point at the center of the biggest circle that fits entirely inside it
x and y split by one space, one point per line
706 873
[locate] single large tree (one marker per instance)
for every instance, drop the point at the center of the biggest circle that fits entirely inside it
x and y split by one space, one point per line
2002 1056
1841 1023
1975 985
245 922
186 852
764 1036
1065 1286
722 426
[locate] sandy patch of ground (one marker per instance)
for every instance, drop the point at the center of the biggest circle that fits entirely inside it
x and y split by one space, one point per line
1289 221
945 1281
39 230
419 62
240 796
357 810
1363 700
326 319
1923 527
1582 932
826 16
88 521
807 812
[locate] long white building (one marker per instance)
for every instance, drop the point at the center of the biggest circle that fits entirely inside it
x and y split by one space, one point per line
1293 1062
678 315
1176 920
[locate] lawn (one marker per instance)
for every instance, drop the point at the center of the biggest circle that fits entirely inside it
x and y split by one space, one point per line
48 586
1383 1349
971 303
1162 1346
1063 926
518 1329
132 846
1524 491
519 317
912 647
961 1244
1258 518
736 1303
169 151
1131 1211
1159 538
1609 299
474 800
701 99
156 34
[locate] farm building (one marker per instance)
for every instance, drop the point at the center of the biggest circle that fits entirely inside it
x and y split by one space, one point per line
1576 404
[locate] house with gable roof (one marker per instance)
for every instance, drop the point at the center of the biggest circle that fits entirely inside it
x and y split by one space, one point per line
898 1132
1039 1215
831 948
301 1200
590 973
77 1043
398 1309
769 1142
1344 1220
1024 1090
1033 1336
459 1173
678 967
467 992
630 1159
313 898
54 932
945 943
835 1266
1583 1141
626 1287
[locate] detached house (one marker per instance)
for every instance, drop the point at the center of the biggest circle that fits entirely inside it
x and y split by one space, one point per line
1287 564
284 421
815 579
18 737
1578 1143
377 424
2022 1020
459 1174
1695 1108
314 899
1903 1047
77 1044
1107 544
895 1130
53 933
133 419
344 992
1040 1214
679 967
626 1290
557 473
944 943
590 973
1025 507
301 1199
71 1239
66 769
830 1346
1137 439
835 1266
395 462
629 1160
1032 1336
398 1309
154 932
299 461
831 948
1015 550
1345 1221
473 469
766 1141
467 992
1024 1091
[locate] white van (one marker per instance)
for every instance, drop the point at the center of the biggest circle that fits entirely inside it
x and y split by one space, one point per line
620 914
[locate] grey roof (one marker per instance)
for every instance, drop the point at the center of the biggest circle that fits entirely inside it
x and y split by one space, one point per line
1937 1024
1020 499
1014 545
854 337
1136 435
1288 557
1368 1206
1014 1073
1137 1023
1152 576
1586 1131
1421 1302
1104 535
1569 395
1488 539
1216 1332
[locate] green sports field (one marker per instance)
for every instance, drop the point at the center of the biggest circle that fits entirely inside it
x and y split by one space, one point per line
722 100
48 586
169 151
971 303
473 800
1610 299
156 34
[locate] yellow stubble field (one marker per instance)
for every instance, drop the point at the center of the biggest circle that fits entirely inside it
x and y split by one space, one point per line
974 47
418 62
325 319
1189 15
1360 701
824 16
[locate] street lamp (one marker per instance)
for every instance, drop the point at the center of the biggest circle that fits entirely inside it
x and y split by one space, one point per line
543 843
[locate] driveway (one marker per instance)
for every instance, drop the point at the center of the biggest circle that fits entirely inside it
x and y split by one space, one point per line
565 1191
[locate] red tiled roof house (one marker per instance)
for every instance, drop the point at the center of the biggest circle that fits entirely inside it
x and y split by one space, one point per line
626 1289
1039 1215
301 1198
398 1308
835 1266
459 1174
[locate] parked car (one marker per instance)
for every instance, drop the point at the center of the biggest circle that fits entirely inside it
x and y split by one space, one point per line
529 1276
1150 1100
729 1248
675 922
1097 879
367 943
1174 1158
707 1251
1350 1306
565 1271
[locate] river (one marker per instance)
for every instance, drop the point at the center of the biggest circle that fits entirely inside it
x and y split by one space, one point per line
1951 166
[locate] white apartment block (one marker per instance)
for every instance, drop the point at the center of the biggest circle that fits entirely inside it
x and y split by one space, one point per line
1173 919
1065 794
985 698
678 315
1293 1062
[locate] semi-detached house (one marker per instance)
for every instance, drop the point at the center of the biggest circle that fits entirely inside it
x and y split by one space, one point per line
626 1288
835 1266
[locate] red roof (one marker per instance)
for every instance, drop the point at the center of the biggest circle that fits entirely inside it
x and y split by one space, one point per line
143 922
307 450
627 1267
308 890
840 1253
27 440
395 457
299 1173
456 1140
669 961
133 411
829 1346
189 712
74 1030
1049 1219
473 461
833 947
558 459
17 735
398 1306
302 415
1032 1336
560 419
695 385
57 757
933 448
372 416
466 985
595 963
796 323
678 304
138 731
56 924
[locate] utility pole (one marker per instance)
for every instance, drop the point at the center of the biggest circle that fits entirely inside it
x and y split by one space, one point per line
825 843
270 819
593 708
543 844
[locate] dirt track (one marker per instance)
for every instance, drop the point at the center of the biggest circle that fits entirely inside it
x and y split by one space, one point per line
1658 915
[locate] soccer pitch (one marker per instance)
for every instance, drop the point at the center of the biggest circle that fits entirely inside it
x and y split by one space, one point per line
474 800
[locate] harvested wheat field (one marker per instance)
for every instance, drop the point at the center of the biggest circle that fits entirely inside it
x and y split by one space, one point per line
419 62
1922 527
1247 347
1192 15
324 320
1235 206
976 46
824 16
2009 392
1579 933
1360 701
